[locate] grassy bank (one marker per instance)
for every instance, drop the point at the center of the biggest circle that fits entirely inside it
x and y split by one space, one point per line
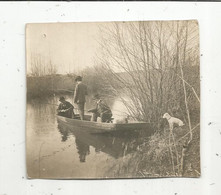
157 157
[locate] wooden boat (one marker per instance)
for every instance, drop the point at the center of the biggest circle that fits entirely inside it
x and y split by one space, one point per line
102 127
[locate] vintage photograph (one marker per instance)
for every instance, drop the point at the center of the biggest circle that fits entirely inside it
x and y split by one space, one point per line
113 100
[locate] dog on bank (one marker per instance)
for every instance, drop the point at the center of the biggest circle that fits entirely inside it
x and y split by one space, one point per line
173 121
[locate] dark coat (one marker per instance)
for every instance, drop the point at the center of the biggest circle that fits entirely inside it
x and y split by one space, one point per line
80 93
65 109
103 108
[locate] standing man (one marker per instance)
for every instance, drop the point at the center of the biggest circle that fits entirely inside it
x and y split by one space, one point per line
79 96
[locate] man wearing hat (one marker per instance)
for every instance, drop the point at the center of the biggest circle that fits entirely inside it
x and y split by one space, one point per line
102 110
65 108
79 96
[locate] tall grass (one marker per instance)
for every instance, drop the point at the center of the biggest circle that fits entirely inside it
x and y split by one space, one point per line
153 157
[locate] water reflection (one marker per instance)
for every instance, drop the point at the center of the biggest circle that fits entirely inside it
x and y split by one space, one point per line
115 144
77 152
83 149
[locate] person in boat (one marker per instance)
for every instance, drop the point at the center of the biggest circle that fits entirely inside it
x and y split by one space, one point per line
79 96
65 108
102 110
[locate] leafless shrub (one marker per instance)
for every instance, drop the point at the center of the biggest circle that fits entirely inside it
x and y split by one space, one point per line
156 65
149 62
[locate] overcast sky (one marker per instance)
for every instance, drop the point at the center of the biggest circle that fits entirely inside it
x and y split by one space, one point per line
69 46
72 47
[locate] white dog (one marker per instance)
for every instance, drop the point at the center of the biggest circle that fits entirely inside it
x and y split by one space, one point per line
123 120
172 120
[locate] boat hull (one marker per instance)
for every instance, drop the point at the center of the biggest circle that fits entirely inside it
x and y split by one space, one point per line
103 127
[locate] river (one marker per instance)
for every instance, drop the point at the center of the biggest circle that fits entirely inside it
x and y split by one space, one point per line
57 151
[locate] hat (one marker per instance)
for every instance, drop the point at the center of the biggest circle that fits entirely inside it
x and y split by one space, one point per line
61 98
78 78
96 96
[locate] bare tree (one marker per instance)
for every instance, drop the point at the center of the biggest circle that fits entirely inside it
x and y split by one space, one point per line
145 60
42 67
156 66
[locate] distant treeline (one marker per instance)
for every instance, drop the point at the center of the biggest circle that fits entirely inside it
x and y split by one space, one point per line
41 86
38 86
101 81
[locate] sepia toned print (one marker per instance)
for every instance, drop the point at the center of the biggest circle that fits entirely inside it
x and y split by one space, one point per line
113 100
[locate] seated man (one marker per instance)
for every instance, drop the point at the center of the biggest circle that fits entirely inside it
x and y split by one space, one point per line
102 110
65 108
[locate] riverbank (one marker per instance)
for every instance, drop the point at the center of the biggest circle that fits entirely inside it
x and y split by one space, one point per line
157 157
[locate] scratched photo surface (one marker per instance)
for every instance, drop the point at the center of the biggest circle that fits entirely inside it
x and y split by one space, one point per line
113 100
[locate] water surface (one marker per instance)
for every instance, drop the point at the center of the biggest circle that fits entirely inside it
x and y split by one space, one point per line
56 150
